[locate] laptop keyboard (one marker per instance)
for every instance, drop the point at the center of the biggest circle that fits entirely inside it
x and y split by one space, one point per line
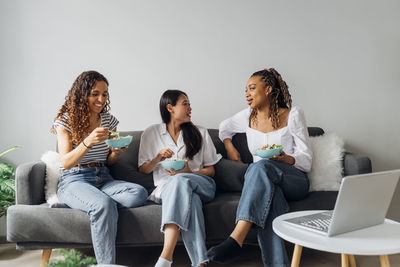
317 221
319 224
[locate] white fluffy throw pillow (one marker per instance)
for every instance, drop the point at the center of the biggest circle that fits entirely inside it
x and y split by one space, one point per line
52 160
326 170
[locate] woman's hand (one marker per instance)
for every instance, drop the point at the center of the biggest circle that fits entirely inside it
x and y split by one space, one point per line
98 135
149 166
186 169
114 155
283 157
163 154
231 151
117 151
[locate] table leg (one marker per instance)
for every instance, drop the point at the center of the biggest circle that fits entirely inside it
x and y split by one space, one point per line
352 261
384 260
296 255
345 260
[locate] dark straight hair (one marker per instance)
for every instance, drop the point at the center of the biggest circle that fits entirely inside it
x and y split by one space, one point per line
191 134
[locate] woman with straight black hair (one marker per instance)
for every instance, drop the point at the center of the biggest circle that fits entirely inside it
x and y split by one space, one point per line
181 192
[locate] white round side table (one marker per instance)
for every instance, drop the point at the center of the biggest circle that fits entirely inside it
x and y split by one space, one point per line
382 240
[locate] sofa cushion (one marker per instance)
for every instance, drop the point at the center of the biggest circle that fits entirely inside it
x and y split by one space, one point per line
136 226
219 146
47 224
53 173
327 165
239 140
323 200
229 178
229 175
126 168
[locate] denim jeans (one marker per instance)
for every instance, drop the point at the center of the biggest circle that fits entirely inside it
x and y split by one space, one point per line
181 200
95 192
266 187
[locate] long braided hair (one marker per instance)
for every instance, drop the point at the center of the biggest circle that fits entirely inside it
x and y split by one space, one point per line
279 97
76 105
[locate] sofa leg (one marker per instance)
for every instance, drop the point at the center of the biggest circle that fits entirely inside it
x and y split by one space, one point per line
45 257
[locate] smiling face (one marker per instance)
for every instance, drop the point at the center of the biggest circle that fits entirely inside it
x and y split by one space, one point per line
256 92
182 111
98 97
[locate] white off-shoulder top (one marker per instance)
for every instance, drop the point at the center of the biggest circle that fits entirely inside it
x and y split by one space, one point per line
293 137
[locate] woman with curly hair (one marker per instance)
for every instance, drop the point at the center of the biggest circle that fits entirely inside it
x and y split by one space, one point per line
82 125
270 119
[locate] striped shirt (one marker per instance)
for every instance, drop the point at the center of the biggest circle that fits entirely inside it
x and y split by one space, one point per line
98 152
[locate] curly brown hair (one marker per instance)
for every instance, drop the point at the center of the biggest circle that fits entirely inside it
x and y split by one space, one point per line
76 105
279 97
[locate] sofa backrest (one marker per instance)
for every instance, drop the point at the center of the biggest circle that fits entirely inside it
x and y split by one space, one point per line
240 142
126 168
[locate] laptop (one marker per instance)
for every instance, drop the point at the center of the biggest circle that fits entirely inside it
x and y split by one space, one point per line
362 202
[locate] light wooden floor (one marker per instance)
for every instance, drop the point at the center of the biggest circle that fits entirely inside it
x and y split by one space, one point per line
144 257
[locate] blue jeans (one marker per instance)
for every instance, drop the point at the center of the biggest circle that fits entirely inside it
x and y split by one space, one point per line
95 192
181 199
266 187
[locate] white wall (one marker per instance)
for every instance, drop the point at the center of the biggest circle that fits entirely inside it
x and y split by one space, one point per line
341 60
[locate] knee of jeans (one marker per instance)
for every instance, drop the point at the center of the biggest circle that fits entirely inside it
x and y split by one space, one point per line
257 165
104 205
138 197
179 180
142 194
262 165
257 178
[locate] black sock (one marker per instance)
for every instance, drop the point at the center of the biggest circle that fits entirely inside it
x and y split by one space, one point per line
225 252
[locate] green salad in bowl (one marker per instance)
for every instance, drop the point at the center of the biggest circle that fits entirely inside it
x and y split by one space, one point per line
268 151
118 141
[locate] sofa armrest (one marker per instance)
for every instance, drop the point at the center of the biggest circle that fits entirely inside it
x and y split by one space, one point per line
356 164
29 183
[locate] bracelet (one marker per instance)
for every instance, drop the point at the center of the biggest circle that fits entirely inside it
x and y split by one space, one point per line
83 142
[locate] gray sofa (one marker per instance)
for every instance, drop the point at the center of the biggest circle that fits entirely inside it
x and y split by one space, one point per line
31 224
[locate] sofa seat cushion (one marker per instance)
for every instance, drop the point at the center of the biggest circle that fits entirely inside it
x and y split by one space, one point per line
320 200
40 223
136 226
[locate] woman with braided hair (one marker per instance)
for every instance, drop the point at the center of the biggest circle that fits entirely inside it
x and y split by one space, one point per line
270 119
82 125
